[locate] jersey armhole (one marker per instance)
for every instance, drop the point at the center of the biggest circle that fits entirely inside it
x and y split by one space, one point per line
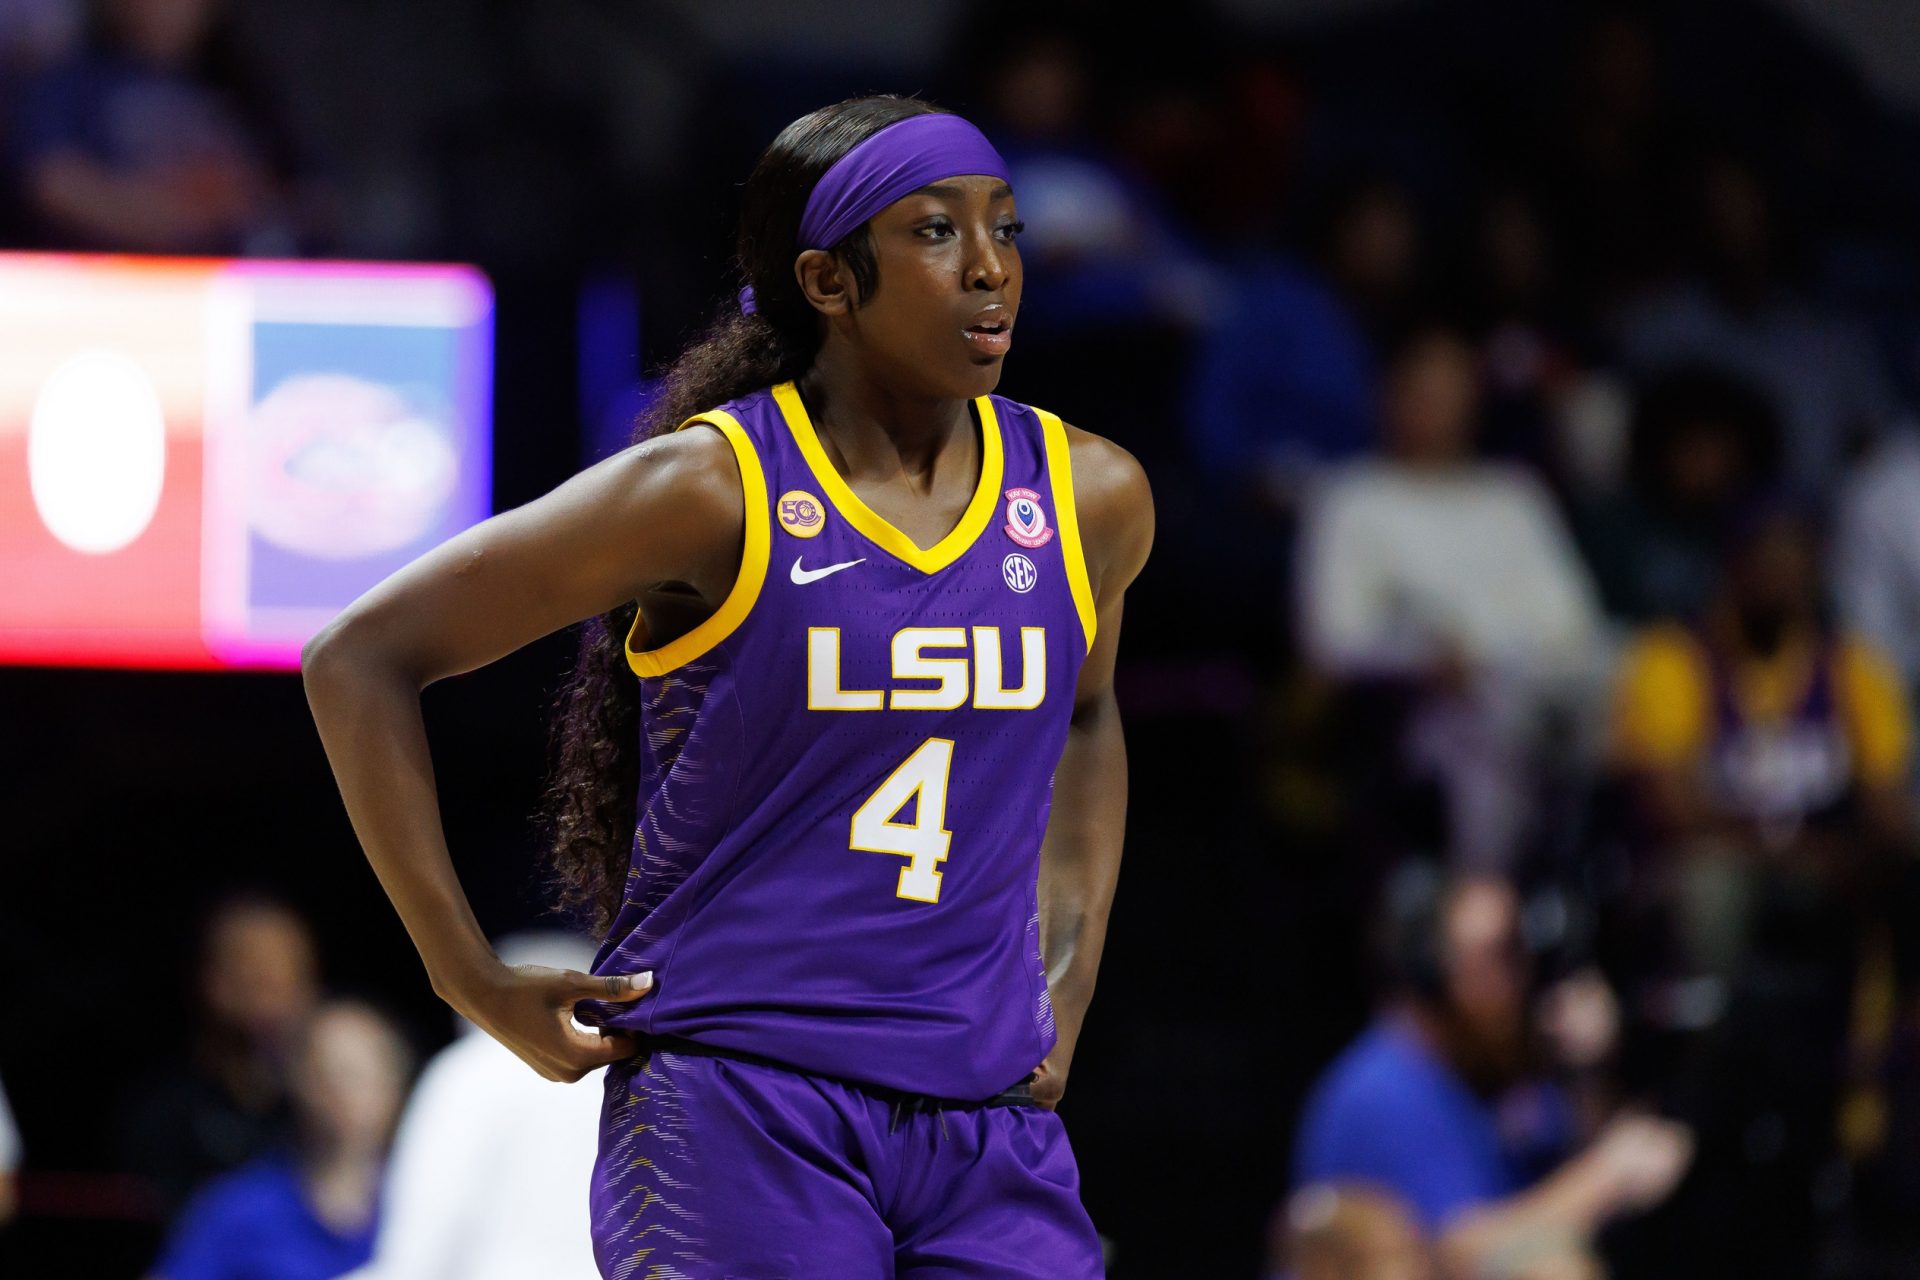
753 564
1060 476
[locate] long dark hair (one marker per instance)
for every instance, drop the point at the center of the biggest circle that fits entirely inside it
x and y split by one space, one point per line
591 802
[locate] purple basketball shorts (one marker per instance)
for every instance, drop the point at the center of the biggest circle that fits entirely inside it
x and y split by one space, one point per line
714 1168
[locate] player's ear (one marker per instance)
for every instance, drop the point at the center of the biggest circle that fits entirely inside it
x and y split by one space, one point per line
828 286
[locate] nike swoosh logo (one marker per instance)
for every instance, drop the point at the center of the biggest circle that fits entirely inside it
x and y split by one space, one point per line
804 576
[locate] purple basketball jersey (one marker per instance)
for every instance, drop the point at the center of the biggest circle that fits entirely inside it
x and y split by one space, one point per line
846 771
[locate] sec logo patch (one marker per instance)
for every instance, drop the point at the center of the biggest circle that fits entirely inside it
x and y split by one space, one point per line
1019 572
801 513
1026 522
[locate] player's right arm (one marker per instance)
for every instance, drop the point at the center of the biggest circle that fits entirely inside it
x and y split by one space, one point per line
663 515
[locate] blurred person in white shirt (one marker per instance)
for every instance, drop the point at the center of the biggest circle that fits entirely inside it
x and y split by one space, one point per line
490 1170
1455 577
1876 547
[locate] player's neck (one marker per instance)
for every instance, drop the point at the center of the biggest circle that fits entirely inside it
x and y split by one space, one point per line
874 431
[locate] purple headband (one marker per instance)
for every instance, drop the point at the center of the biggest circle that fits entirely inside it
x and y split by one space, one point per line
893 162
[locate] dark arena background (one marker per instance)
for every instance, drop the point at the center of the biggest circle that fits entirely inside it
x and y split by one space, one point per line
1528 393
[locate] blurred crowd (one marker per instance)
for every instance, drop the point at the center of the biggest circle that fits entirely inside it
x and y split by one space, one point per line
1529 394
1541 431
293 1140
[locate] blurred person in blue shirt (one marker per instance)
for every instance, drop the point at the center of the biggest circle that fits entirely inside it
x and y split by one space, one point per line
1439 1103
154 139
310 1213
1286 375
1284 380
1107 248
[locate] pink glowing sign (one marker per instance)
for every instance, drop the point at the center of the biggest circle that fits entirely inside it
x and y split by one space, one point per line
202 461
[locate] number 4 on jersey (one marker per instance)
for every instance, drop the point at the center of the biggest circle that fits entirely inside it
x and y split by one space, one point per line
924 840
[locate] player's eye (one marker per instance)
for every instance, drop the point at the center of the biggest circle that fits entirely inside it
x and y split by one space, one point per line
939 226
1007 231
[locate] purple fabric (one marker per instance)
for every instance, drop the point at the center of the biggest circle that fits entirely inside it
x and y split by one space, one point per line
766 931
896 161
899 159
710 1168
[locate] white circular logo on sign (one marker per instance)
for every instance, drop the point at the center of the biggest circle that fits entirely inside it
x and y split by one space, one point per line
97 451
1019 572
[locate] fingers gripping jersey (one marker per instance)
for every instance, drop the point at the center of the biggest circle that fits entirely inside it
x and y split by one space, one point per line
847 770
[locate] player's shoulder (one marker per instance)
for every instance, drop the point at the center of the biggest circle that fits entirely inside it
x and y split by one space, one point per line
1113 500
697 467
682 496
1104 471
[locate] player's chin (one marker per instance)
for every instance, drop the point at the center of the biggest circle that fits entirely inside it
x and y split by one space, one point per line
979 373
947 368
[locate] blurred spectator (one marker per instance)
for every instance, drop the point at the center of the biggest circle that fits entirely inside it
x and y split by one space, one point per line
1101 246
1739 314
1456 579
491 1165
1876 563
1762 742
1346 1232
1767 754
9 1163
34 33
1614 149
1440 1101
153 141
1701 446
308 1213
1284 378
1527 350
1425 556
256 984
1039 96
1231 184
1370 242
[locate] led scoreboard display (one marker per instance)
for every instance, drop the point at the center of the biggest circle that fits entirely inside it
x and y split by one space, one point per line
202 461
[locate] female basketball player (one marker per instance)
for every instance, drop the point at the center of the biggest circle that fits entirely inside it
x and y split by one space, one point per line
854 648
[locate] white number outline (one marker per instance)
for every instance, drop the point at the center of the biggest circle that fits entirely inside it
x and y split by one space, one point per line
924 841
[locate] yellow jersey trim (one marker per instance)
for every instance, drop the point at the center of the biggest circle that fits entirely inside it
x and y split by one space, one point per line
753 563
1067 516
863 518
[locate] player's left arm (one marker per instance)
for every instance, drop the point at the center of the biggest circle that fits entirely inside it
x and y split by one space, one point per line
1080 858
